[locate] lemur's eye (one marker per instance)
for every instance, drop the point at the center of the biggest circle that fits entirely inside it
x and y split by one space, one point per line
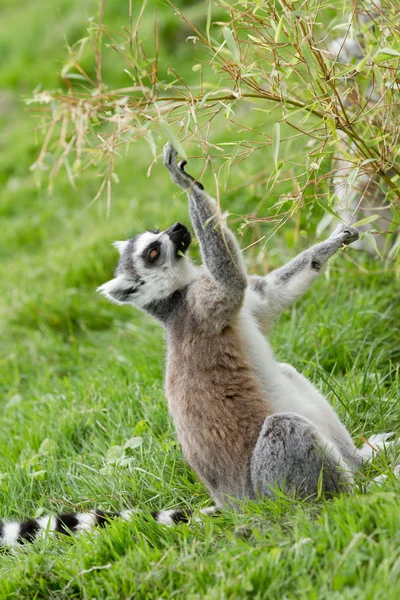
153 253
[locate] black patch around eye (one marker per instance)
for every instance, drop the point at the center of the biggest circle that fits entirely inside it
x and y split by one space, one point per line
146 253
155 231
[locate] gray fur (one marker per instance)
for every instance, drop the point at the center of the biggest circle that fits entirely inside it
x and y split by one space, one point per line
291 456
316 257
219 249
126 262
245 423
280 288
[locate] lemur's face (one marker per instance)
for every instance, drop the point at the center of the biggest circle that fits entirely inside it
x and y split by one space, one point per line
152 266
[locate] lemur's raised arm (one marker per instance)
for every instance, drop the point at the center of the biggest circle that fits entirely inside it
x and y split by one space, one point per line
219 249
269 295
281 288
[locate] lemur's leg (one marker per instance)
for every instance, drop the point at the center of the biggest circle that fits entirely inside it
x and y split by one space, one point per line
338 433
285 285
354 457
219 249
290 454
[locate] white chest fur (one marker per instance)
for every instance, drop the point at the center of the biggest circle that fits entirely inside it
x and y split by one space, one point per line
285 389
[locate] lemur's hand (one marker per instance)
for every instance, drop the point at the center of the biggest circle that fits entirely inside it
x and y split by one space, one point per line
177 170
345 235
320 253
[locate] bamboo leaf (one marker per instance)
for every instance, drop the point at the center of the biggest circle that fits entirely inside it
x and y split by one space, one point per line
332 127
208 24
231 43
171 137
276 139
359 67
77 76
365 221
352 176
385 54
394 250
150 140
278 30
309 57
372 241
325 206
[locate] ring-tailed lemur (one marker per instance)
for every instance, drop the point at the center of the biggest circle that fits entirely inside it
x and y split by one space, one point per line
247 424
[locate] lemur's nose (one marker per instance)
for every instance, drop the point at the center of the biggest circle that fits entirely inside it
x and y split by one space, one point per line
179 235
177 227
176 230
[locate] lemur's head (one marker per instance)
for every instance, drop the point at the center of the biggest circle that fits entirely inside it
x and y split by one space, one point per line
151 267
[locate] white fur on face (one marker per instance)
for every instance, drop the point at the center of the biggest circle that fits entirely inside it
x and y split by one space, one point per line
168 249
163 281
151 283
145 239
164 278
120 245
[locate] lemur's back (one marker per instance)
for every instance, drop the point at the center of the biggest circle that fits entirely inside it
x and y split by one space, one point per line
216 402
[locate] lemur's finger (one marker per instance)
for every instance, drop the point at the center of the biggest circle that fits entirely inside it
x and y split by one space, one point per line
178 173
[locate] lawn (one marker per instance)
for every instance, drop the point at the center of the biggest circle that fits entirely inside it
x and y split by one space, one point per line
80 378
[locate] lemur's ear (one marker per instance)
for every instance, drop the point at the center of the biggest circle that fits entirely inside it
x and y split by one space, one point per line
119 290
120 246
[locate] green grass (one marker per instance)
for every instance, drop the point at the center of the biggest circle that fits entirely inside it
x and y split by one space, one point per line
79 376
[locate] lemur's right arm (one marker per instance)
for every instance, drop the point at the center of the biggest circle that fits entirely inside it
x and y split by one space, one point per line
276 291
219 249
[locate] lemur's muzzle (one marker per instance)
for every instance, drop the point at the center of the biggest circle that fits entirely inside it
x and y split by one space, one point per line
180 236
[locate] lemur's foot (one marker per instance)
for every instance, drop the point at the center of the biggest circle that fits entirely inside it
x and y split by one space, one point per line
345 234
177 170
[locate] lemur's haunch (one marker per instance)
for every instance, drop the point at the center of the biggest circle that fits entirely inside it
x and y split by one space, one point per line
247 424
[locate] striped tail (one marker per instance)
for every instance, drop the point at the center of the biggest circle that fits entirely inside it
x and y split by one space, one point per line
13 533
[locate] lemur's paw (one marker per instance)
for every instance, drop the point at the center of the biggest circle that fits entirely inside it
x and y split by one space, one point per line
346 234
170 155
177 170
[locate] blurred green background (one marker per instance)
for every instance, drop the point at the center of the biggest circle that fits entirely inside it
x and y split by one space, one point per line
79 377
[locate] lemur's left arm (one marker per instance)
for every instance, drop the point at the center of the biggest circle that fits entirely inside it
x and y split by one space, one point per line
219 249
276 291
